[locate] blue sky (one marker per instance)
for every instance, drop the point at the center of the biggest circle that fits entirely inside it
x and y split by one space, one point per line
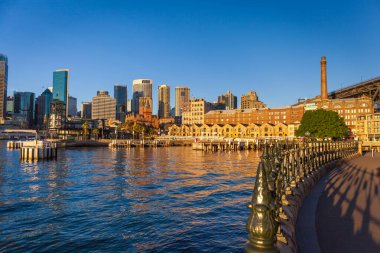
271 47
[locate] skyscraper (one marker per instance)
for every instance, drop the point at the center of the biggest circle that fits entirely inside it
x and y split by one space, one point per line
103 106
182 95
10 106
140 88
3 86
229 100
86 110
61 88
43 108
24 108
120 95
72 104
163 101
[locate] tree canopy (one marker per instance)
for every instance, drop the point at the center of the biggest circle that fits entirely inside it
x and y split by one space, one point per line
322 124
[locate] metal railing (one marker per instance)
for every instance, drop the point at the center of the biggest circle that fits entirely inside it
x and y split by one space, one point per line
283 169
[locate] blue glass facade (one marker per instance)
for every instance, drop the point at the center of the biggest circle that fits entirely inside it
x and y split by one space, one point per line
24 108
60 86
42 107
120 95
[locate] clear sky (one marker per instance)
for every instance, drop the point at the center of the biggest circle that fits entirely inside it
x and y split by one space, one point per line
271 47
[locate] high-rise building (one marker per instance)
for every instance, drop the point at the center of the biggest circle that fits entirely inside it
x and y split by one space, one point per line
120 95
103 106
140 88
194 111
10 106
86 110
129 106
61 88
182 95
72 106
43 104
3 86
24 108
163 101
229 100
251 101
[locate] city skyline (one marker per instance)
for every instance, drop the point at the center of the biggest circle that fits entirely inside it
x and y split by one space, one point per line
211 47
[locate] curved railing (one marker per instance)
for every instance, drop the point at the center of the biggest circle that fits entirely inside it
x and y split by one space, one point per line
284 177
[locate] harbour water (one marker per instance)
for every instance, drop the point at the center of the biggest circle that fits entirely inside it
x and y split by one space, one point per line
132 200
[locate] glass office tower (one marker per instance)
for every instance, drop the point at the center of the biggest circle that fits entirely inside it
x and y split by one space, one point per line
120 95
61 87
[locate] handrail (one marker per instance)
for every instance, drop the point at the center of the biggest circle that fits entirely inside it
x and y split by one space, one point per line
283 170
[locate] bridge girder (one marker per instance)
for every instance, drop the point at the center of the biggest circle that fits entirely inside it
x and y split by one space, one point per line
369 88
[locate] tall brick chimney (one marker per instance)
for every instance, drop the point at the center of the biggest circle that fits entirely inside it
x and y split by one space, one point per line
324 94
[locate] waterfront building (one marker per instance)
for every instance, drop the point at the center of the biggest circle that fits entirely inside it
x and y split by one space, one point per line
348 108
43 104
250 101
10 106
72 104
140 88
24 109
229 100
103 106
120 95
163 101
182 95
286 115
3 87
368 127
240 130
194 110
61 87
86 109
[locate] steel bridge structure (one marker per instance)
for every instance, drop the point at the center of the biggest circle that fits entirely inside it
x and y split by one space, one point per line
369 87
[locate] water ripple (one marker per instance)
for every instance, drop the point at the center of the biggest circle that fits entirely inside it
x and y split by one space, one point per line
135 200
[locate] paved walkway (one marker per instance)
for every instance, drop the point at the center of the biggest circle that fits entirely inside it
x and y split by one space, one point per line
347 216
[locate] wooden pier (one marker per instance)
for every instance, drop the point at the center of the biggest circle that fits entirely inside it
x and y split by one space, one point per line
140 143
38 150
226 144
14 144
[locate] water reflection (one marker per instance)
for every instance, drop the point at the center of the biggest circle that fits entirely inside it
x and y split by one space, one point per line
164 199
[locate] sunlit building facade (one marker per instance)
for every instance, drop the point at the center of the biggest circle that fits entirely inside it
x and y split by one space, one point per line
103 106
3 87
164 101
182 95
140 88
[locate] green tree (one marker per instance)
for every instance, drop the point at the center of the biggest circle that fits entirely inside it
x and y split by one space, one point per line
322 124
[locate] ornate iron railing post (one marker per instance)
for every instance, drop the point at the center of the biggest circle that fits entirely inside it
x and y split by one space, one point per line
261 225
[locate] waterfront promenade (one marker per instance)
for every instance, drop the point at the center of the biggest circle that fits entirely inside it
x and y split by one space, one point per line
342 213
